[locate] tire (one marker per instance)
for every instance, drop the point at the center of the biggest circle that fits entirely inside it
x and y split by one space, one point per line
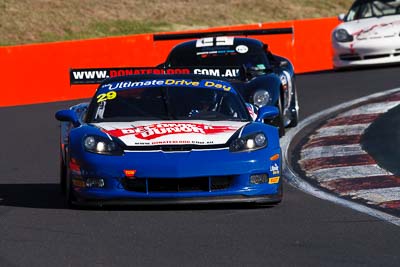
278 121
70 199
294 120
63 174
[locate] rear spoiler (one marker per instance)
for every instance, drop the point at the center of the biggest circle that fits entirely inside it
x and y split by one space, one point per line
197 35
97 75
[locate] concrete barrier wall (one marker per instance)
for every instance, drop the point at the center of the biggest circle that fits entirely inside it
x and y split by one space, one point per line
39 73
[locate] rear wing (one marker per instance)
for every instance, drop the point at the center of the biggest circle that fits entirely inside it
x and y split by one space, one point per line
97 75
197 35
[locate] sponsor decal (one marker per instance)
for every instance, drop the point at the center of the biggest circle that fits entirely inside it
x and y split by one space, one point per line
284 80
252 111
106 96
224 52
97 75
218 72
220 85
374 30
217 41
242 49
153 131
274 169
273 180
78 183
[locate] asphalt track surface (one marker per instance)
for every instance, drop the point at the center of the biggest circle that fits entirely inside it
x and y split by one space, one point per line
36 228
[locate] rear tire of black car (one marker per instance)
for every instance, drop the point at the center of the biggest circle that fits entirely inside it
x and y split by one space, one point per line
278 120
295 112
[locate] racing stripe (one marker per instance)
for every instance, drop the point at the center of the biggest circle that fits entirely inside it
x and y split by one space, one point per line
356 119
395 204
356 129
378 195
372 108
313 165
344 186
348 172
331 151
333 140
393 97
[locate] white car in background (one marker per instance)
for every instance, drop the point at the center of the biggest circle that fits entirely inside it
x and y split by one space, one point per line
369 34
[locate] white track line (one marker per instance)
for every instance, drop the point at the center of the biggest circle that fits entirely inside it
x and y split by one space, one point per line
331 151
372 108
341 130
379 195
348 172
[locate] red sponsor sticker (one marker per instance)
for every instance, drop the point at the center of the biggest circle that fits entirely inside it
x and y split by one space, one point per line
149 132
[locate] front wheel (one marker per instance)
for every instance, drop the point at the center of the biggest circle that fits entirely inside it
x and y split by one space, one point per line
63 174
70 199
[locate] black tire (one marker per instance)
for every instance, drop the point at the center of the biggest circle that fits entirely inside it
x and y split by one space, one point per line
70 199
278 120
294 120
63 174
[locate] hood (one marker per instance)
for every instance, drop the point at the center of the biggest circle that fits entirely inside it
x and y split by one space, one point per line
377 27
150 133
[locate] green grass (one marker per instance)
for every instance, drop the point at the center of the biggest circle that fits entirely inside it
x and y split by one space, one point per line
106 28
37 21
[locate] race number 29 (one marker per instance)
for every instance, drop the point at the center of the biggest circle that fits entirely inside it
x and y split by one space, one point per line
106 96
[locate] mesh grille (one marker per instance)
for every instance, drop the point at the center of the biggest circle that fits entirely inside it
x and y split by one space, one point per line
170 185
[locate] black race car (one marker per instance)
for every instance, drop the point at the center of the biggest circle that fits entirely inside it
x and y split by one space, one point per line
268 79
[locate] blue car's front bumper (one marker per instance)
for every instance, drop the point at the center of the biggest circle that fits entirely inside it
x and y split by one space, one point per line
198 176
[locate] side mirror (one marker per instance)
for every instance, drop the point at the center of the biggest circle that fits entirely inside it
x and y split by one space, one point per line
267 112
341 17
68 115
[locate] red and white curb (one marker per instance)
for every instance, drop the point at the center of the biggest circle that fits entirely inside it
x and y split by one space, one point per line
334 159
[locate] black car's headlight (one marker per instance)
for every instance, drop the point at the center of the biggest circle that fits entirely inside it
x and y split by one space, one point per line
261 98
342 36
101 145
249 143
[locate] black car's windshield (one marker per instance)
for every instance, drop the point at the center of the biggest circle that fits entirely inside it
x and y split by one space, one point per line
167 103
369 9
253 58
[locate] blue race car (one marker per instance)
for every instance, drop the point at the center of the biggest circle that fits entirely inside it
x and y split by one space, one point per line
163 139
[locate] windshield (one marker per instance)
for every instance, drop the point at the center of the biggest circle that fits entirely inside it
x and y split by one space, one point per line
167 103
255 59
362 10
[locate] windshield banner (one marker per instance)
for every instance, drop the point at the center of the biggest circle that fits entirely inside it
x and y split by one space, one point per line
97 75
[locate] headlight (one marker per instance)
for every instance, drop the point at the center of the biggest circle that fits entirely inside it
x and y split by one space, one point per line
261 98
101 145
341 35
249 143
